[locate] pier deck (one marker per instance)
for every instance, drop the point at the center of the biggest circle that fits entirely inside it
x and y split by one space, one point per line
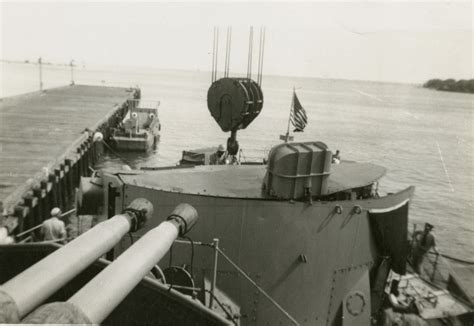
40 130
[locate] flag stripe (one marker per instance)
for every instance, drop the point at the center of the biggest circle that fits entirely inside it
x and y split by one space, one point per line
298 117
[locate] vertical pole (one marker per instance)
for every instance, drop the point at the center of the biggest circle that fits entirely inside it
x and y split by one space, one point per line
40 74
215 243
72 72
289 116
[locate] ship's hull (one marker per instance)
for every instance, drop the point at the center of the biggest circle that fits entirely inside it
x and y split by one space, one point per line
308 258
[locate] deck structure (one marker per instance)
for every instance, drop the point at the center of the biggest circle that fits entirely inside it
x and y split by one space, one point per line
46 145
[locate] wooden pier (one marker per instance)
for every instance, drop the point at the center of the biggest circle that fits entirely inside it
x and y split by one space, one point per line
46 145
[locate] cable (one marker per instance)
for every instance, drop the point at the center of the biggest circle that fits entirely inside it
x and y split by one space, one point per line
259 56
226 52
261 290
458 259
160 272
230 43
217 53
114 152
229 314
213 54
263 52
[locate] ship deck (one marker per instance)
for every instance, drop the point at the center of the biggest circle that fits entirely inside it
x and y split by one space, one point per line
219 180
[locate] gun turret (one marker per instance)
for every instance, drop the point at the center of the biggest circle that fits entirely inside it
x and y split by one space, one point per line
27 290
98 298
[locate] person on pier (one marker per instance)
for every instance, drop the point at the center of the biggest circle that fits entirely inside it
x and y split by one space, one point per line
336 158
53 229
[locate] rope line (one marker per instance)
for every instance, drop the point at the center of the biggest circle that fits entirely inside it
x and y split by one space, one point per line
258 287
115 153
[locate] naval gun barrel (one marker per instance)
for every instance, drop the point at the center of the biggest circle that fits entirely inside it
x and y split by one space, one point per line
33 286
98 298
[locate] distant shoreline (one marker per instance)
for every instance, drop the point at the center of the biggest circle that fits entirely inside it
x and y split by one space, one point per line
451 85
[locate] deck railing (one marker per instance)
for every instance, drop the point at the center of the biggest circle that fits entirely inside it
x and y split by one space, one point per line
218 252
436 266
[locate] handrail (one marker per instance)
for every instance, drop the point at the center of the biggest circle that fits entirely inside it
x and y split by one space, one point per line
241 272
145 103
192 288
456 259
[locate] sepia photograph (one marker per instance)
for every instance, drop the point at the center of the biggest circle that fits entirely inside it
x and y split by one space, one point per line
237 162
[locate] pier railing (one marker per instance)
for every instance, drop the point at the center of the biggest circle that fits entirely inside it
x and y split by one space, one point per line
143 104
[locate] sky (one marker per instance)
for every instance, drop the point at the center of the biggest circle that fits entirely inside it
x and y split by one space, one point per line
382 41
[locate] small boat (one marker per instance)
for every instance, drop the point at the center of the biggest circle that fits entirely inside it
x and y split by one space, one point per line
140 128
195 157
204 156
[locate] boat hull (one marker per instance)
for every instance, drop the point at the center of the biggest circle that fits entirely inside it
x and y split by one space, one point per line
135 144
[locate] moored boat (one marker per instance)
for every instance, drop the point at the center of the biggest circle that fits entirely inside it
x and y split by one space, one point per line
140 128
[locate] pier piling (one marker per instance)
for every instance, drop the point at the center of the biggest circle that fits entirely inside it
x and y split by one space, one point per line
47 144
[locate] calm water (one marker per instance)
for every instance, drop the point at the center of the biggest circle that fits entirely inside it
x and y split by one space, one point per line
424 138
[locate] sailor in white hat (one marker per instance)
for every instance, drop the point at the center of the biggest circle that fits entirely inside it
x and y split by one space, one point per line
54 229
218 157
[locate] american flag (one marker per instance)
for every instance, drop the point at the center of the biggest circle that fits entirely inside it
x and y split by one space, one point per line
298 116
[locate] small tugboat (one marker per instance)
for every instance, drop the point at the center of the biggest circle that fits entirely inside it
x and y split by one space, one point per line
140 128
